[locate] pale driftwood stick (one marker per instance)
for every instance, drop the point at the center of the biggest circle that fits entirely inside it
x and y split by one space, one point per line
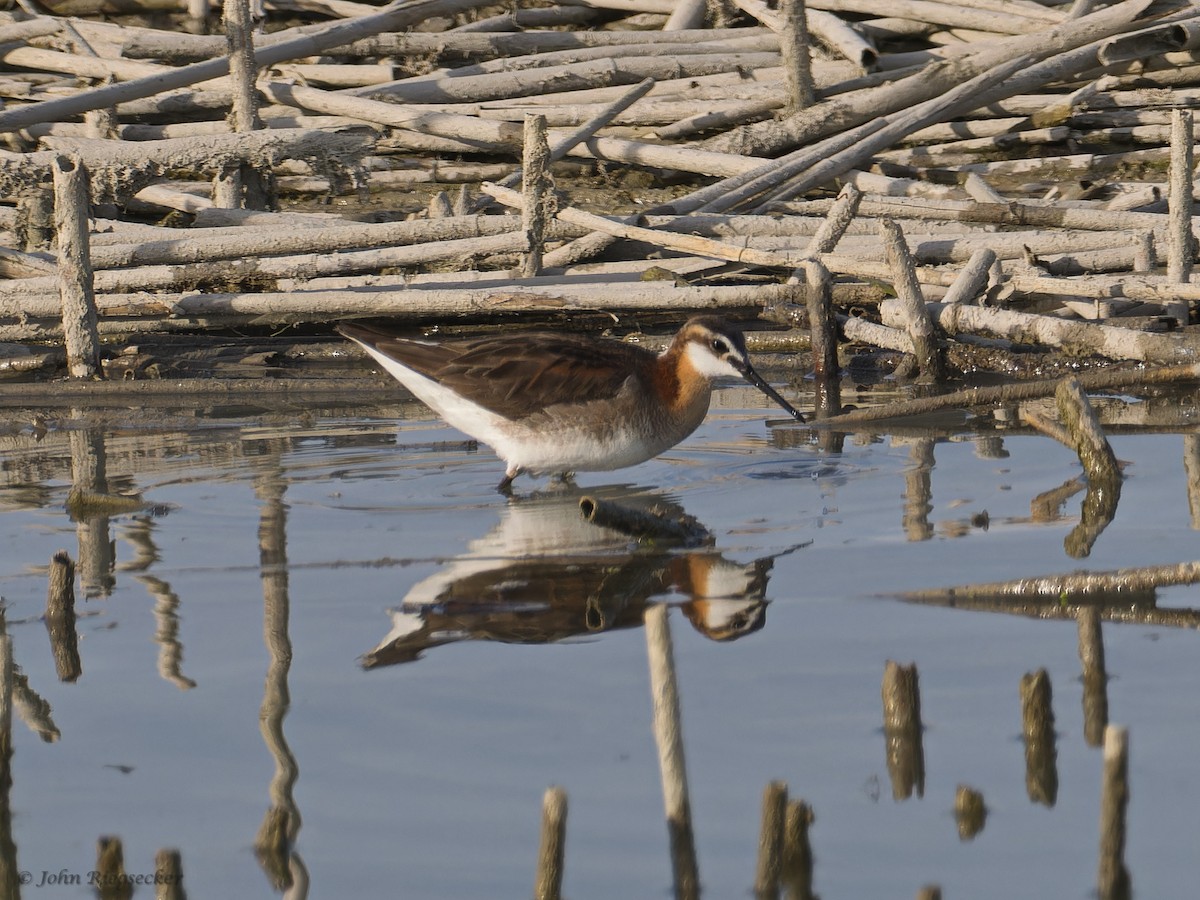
980 190
1095 676
75 268
864 331
700 246
84 66
553 845
1080 337
972 280
569 77
770 839
823 328
177 310
392 18
950 153
1011 393
1112 880
535 192
1181 241
797 64
837 222
1041 754
955 16
484 134
910 303
165 196
683 159
25 293
280 236
668 735
1001 212
686 14
1144 257
116 167
1096 454
719 120
902 729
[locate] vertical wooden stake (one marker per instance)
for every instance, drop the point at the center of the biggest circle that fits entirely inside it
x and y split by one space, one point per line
1181 242
60 618
1113 880
970 812
911 302
75 279
822 325
535 185
1191 466
668 735
6 708
247 187
972 280
168 875
797 61
902 729
553 845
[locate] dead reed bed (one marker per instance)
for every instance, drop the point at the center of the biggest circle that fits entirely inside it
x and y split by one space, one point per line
1009 175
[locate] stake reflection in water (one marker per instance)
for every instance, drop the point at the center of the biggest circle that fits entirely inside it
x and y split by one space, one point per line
545 573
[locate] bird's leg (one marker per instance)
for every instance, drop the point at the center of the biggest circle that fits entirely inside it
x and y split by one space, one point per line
505 486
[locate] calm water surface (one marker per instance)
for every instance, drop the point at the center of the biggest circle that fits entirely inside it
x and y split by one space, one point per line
329 619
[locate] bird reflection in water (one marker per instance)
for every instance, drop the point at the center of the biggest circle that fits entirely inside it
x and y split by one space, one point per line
546 573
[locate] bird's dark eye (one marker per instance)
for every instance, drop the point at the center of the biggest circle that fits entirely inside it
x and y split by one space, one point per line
719 347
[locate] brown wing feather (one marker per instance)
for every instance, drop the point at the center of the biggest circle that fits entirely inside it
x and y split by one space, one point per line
517 375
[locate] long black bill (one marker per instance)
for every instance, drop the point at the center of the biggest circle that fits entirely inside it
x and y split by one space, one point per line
757 380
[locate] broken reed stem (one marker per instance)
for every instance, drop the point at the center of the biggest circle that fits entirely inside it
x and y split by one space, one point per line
60 618
797 61
836 221
972 280
770 839
911 302
1181 243
553 845
168 875
535 191
1041 753
902 729
668 735
1095 453
1113 878
823 330
75 279
645 524
970 812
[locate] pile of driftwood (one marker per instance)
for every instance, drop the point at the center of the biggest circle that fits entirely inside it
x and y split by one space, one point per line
1005 172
